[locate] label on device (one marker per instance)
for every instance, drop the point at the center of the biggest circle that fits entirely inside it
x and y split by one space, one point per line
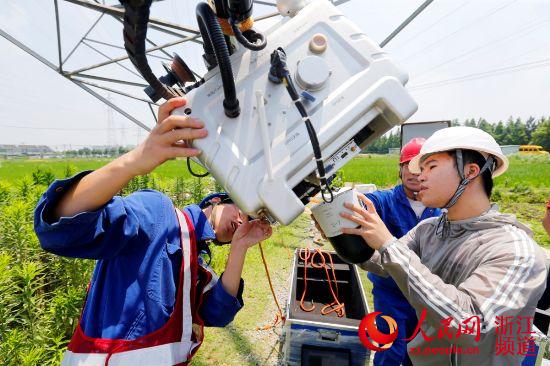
340 158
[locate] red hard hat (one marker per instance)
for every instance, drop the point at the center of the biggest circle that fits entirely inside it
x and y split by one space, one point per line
411 149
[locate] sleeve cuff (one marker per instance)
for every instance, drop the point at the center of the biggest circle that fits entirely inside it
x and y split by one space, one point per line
52 196
60 186
386 245
224 298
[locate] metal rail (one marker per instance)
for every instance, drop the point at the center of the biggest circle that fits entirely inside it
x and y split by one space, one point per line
76 76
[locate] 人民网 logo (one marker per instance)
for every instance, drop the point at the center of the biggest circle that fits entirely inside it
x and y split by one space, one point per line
374 339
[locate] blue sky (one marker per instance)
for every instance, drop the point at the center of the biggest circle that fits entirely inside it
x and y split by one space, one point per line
482 58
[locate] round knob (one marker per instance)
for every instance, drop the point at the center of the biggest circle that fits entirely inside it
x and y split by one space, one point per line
312 73
318 43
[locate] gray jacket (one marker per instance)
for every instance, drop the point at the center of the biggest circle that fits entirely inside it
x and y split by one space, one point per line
489 267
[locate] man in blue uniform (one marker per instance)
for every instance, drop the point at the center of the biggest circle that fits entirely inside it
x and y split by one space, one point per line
400 211
148 278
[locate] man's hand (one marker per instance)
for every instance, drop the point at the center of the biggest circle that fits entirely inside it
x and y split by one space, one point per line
251 233
247 235
372 229
167 140
164 142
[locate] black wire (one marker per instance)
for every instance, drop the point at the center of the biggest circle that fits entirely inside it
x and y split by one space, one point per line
278 73
325 187
193 173
255 36
187 89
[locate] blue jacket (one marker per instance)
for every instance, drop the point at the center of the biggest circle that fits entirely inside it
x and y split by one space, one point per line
396 212
136 242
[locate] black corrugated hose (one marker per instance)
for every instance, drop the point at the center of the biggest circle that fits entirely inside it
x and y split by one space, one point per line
136 17
214 43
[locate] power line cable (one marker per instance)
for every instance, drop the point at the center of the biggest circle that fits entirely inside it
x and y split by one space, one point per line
486 46
544 46
483 17
61 129
436 22
488 73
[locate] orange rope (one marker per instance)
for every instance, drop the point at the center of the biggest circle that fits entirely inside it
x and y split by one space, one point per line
335 306
279 317
305 255
288 253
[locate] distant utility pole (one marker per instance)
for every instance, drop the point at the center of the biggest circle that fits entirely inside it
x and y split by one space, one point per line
122 140
111 133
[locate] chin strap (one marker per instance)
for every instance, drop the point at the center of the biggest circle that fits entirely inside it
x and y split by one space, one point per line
444 225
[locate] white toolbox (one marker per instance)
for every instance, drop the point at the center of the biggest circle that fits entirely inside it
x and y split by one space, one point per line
359 95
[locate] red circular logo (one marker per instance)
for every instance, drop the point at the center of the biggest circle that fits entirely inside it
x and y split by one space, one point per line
372 338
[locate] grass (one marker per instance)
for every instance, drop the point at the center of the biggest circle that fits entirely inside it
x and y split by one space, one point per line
382 170
16 169
42 294
527 171
241 343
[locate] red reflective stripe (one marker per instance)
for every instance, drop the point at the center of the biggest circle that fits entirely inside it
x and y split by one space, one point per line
194 262
196 315
170 332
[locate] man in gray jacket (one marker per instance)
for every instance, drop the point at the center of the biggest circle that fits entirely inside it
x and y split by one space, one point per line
473 275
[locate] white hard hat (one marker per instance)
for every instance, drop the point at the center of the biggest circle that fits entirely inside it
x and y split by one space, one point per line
465 138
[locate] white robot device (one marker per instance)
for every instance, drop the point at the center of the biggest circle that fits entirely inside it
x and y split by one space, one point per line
353 94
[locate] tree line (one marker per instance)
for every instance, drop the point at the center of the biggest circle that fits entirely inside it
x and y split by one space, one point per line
512 132
97 152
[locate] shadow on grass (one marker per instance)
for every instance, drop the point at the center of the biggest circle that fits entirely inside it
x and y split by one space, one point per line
292 236
246 349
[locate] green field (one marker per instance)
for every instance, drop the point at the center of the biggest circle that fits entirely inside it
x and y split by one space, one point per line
41 294
12 170
523 190
382 170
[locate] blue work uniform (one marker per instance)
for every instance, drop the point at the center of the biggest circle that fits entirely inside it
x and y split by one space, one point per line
136 242
397 214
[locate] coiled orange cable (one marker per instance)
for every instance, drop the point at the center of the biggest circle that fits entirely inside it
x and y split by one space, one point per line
335 306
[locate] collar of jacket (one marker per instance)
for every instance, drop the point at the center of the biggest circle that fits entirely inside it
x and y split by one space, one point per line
403 200
203 228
